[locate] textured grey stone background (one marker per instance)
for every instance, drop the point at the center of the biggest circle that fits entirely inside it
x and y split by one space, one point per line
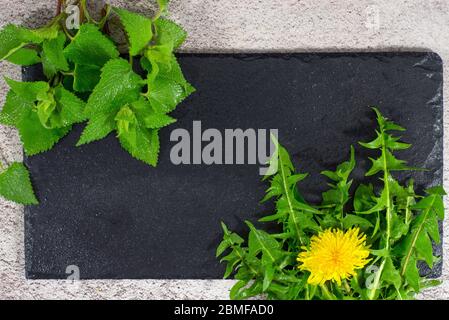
229 26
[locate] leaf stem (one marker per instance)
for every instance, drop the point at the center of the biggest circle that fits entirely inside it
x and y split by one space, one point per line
326 292
347 287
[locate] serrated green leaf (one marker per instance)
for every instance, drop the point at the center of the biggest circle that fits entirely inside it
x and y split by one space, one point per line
53 59
138 28
85 77
71 108
118 86
98 127
165 95
261 241
29 91
15 185
90 47
158 120
14 109
35 137
147 145
170 29
13 38
24 57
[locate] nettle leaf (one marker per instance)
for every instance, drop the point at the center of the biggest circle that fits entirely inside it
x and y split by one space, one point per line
86 77
165 95
146 147
25 57
171 30
35 137
118 86
158 120
70 107
13 38
138 28
53 59
98 127
15 185
90 47
29 91
14 109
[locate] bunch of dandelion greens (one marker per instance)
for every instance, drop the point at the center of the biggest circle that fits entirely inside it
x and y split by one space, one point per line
326 251
87 80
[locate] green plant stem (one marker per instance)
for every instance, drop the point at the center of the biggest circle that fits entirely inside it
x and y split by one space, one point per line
85 11
408 211
326 292
373 290
105 17
347 287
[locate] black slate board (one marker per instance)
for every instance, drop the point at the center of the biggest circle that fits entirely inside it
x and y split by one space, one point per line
114 217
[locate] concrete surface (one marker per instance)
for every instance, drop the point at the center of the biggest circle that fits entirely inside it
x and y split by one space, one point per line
228 26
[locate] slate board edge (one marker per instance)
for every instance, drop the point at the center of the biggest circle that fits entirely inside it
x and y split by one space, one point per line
27 76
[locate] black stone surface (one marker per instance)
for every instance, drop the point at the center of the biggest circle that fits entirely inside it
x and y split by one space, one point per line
115 217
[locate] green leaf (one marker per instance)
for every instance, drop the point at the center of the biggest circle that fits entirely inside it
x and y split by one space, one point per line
35 137
13 38
127 126
15 185
351 220
24 57
423 246
147 145
90 47
99 126
411 273
165 95
29 91
14 109
390 274
71 107
53 59
86 77
138 28
268 276
158 120
261 241
118 86
169 29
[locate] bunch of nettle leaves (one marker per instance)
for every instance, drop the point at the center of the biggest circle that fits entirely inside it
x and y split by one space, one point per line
89 81
329 252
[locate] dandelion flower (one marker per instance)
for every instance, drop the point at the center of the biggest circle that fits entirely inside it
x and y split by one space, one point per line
334 255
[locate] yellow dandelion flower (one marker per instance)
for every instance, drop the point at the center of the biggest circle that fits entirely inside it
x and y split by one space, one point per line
334 255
